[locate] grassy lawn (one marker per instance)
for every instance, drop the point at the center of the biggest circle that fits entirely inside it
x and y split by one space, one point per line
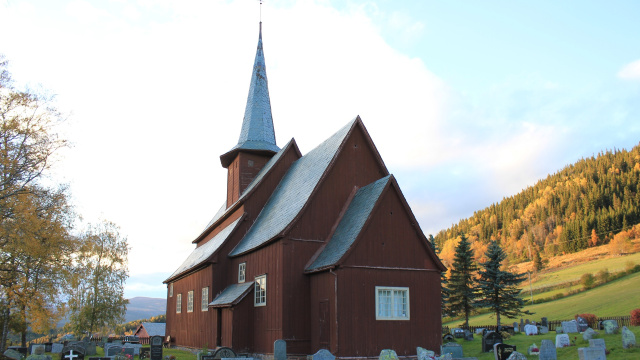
522 342
616 298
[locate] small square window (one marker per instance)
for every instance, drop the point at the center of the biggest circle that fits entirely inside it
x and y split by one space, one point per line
205 299
179 303
190 301
392 303
260 291
242 268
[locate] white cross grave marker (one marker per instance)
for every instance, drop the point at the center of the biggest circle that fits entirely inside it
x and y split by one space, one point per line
71 355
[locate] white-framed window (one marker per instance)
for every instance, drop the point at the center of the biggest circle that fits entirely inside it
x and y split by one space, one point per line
171 290
242 270
260 291
190 301
392 303
178 303
204 305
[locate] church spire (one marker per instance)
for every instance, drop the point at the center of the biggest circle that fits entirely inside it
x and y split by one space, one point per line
257 134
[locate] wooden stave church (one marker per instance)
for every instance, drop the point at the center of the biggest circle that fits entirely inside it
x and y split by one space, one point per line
304 247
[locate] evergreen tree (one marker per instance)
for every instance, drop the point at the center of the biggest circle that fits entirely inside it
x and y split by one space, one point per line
537 261
444 292
462 282
498 289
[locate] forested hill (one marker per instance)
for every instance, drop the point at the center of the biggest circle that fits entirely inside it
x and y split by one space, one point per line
584 204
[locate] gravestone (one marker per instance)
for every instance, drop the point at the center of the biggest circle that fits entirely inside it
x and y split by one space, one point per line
451 348
155 347
113 350
458 333
516 328
144 353
544 322
490 339
280 350
468 335
527 321
225 353
589 334
207 357
582 324
516 356
592 353
13 354
570 327
47 347
40 356
90 349
559 330
56 348
503 351
387 354
423 354
547 351
72 352
562 340
127 351
531 329
521 324
628 338
37 347
22 350
448 338
610 326
135 347
479 330
324 354
597 343
543 329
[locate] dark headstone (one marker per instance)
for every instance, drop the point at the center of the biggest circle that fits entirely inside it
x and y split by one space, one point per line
468 335
448 338
113 350
72 352
47 347
544 322
225 353
503 351
491 338
56 348
155 348
458 333
583 325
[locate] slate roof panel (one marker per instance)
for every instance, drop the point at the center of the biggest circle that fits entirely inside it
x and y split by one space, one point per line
203 252
154 329
231 294
350 225
292 193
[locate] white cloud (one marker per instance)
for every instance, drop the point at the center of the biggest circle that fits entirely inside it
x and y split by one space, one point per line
630 71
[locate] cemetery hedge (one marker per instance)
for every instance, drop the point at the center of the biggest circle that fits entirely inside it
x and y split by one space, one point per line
522 342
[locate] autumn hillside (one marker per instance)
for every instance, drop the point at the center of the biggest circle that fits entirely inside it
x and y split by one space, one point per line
584 205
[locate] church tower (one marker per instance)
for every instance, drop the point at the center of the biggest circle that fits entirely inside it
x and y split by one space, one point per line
257 142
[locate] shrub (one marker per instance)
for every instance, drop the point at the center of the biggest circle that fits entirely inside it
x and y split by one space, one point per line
603 276
505 335
587 280
635 317
592 320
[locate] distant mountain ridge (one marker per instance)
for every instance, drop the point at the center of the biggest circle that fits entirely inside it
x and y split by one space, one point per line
145 308
583 205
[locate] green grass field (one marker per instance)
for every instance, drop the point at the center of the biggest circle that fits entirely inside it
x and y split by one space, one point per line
522 342
616 298
614 264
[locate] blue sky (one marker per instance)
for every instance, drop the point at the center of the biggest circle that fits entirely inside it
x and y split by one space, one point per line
468 102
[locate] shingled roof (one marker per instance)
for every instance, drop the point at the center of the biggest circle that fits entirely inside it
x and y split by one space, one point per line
232 295
292 193
257 134
350 225
200 254
153 329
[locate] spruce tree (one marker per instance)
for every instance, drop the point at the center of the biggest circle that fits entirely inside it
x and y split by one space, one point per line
462 282
444 292
498 290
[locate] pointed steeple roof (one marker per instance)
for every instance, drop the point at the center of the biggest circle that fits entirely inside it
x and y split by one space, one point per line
257 134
